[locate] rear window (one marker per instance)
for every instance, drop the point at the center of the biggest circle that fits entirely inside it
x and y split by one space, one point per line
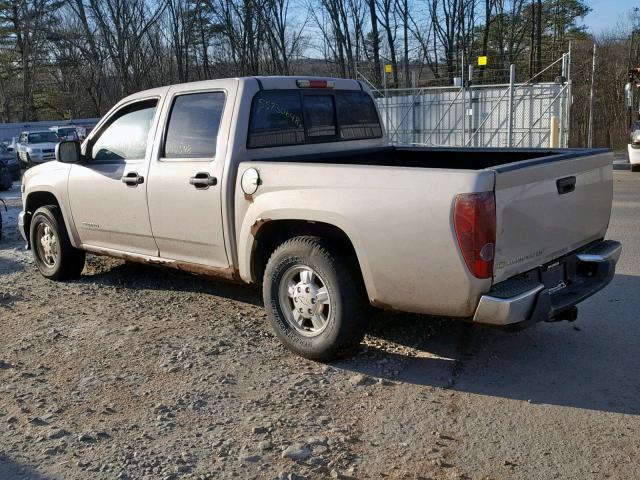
276 119
358 116
43 137
294 117
319 115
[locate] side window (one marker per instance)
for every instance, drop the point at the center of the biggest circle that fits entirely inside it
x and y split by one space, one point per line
276 119
358 116
319 115
127 133
193 127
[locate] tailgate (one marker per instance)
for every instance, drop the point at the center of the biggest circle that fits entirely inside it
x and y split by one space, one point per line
540 217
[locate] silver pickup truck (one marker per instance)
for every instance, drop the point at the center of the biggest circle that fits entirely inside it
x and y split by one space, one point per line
291 183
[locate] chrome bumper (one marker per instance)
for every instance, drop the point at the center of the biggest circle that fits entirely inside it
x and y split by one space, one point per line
525 299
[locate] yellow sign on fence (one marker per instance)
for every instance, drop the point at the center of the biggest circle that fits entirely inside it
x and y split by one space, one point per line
482 61
387 68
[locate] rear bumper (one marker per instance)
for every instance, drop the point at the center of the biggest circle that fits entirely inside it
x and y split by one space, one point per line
527 299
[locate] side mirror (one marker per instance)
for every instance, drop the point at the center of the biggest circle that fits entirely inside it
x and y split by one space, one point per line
68 152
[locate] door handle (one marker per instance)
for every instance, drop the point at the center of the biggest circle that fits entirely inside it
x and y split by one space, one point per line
566 185
133 179
203 180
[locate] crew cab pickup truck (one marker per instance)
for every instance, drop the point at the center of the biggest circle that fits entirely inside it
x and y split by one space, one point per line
291 184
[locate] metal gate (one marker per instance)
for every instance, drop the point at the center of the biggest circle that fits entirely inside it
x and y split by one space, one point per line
502 115
477 116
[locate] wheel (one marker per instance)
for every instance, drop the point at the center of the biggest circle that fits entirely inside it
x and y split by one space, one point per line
313 300
635 168
54 255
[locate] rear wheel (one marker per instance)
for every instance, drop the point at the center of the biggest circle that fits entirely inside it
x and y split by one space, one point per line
313 300
53 253
635 168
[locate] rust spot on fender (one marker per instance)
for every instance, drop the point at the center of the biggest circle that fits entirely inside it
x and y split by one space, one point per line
229 273
248 198
381 305
258 224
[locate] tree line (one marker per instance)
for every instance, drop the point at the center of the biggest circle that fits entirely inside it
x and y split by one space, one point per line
76 58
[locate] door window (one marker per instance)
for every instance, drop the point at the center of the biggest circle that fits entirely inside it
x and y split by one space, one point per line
193 127
126 135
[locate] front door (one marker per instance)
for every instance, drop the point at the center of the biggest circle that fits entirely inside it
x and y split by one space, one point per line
108 190
185 178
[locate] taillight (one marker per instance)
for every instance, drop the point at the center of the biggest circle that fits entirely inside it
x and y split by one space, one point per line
474 219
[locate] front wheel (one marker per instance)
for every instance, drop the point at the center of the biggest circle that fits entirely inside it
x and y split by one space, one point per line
53 253
313 300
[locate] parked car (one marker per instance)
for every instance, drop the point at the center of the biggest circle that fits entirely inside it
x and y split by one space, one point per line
291 183
2 205
37 147
5 177
84 131
66 133
11 145
634 147
11 162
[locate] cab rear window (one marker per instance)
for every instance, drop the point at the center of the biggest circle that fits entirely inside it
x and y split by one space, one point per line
292 117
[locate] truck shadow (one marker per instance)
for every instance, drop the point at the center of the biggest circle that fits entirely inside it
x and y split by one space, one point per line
12 470
131 275
590 364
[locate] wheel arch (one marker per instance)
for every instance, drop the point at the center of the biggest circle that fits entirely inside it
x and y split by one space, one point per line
265 235
40 198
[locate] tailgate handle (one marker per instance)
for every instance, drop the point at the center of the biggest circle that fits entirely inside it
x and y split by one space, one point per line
566 185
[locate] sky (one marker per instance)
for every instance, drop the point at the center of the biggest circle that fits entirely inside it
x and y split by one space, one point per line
606 13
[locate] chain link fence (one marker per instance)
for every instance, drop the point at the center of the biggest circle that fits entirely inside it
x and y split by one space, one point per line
478 116
535 115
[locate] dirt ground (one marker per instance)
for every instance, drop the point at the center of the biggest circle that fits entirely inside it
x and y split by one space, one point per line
136 372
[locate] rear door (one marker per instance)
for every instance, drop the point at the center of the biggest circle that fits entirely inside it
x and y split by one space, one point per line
546 208
185 180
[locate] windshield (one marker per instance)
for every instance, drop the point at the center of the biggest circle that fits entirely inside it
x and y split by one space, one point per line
66 131
43 137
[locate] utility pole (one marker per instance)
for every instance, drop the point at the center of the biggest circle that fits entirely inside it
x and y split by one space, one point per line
593 74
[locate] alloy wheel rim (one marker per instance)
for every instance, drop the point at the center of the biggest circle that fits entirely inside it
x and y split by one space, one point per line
48 247
305 300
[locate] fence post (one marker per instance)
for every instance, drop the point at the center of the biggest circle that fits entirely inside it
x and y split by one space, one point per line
569 101
469 112
414 130
512 82
593 74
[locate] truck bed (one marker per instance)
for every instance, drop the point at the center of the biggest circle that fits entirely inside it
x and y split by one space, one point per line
458 158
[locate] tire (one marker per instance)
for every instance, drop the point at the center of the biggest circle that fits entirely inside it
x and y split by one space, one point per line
329 292
635 168
56 259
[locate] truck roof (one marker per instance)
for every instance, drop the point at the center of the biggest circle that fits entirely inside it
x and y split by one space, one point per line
264 82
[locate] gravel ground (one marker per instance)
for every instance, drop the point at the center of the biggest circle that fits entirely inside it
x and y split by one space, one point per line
135 372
